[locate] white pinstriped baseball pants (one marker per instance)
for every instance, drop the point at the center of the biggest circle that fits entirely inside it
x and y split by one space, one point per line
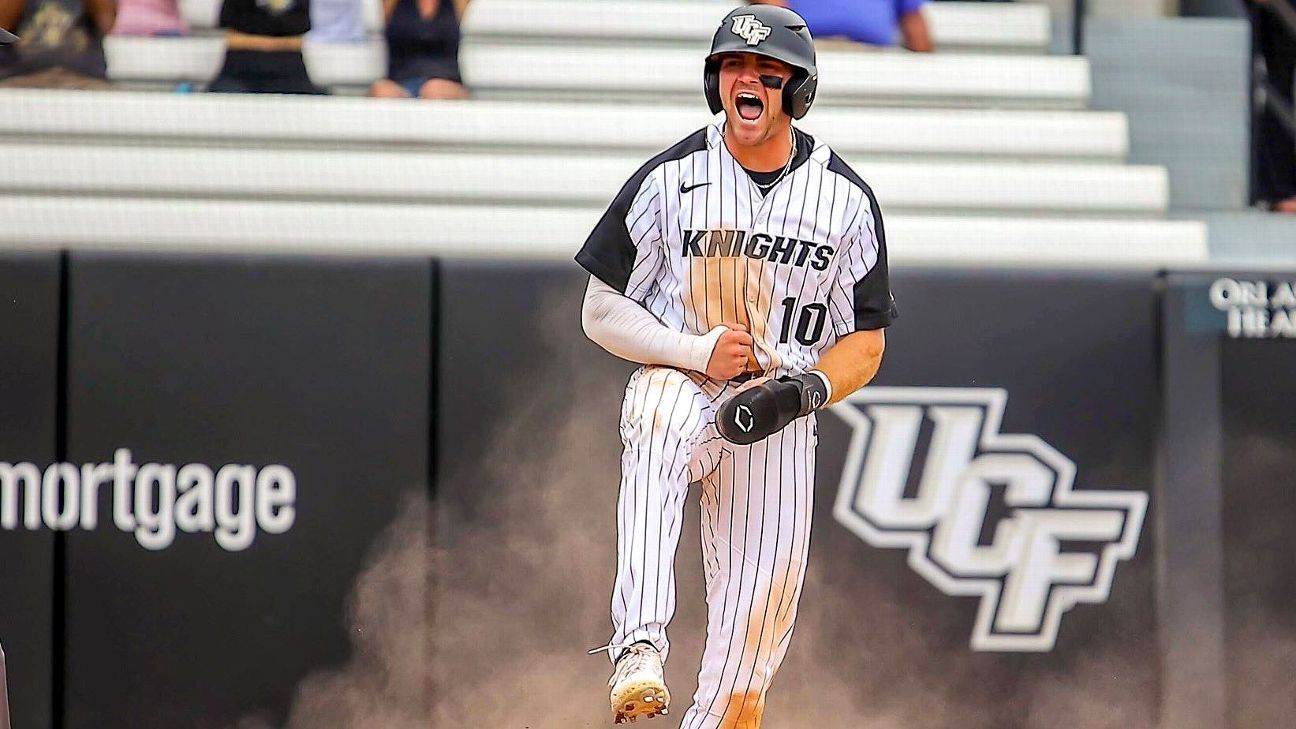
756 514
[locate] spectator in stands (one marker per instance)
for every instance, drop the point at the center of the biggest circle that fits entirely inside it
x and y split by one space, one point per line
263 51
1276 160
337 21
876 22
157 18
61 46
422 50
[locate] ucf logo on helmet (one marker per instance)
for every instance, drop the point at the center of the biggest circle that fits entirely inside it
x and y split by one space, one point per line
1025 579
750 29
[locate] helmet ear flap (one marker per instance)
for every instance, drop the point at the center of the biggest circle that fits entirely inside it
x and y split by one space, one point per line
711 86
799 94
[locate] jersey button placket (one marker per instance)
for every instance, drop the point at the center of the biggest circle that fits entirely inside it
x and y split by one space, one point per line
754 271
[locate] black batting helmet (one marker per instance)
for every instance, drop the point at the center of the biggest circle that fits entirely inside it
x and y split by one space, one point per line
7 38
772 31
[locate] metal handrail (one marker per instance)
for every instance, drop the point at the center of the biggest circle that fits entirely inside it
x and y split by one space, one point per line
1078 13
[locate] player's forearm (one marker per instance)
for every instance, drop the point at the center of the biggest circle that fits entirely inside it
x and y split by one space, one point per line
627 330
852 362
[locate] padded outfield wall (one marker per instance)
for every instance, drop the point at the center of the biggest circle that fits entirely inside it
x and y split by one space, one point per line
227 525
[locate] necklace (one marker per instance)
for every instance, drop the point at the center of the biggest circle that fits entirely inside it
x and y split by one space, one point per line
786 168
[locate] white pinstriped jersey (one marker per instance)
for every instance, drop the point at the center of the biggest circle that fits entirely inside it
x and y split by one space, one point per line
693 239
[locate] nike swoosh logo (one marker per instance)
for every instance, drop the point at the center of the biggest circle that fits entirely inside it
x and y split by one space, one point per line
686 189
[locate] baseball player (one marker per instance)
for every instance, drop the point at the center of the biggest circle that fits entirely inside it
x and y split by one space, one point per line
746 269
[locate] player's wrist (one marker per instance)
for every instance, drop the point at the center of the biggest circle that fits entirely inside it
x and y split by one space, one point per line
827 383
814 388
702 347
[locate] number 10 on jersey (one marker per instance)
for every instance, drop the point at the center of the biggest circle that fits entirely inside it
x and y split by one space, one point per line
809 325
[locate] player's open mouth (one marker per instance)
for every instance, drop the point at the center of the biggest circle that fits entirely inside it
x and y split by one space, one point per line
749 106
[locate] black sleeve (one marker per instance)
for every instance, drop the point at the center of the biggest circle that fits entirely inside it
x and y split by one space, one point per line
609 253
246 16
875 307
231 11
621 240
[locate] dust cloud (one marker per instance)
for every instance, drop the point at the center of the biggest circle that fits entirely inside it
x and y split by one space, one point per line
384 685
489 628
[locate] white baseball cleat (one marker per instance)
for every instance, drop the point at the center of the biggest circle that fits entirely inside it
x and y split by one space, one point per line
638 685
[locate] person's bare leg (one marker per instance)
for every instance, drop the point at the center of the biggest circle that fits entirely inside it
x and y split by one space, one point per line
387 89
440 88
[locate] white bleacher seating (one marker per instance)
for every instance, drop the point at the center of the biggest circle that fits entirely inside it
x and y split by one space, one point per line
168 60
968 26
977 158
579 61
546 179
846 78
198 59
345 64
373 16
278 121
646 74
522 233
999 27
200 14
1019 27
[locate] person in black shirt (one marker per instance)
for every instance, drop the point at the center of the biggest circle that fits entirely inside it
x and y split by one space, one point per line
263 48
422 50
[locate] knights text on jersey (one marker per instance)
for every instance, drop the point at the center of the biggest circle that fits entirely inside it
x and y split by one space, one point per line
692 239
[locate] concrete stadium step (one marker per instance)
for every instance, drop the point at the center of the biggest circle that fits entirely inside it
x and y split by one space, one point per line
963 26
646 75
518 232
846 77
281 122
989 188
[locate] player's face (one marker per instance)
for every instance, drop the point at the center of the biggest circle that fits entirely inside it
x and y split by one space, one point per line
754 111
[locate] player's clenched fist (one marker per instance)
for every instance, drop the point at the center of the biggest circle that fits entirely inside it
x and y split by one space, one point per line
732 350
765 409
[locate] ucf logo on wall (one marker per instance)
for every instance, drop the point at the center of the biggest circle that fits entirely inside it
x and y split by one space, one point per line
1025 572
